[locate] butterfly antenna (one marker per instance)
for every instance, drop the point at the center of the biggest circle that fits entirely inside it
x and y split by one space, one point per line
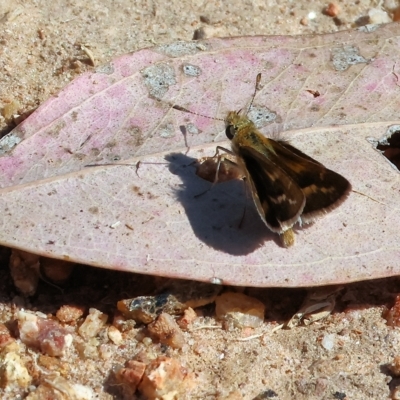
256 89
179 108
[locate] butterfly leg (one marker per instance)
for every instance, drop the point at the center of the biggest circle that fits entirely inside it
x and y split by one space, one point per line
229 170
218 168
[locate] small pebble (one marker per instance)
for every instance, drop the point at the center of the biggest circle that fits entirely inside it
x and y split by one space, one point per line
145 309
189 316
88 349
93 324
167 331
53 364
304 21
332 10
239 310
45 334
129 377
106 352
166 378
13 372
69 314
114 335
328 341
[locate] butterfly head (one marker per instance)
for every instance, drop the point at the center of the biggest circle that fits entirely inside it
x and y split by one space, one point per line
234 122
231 124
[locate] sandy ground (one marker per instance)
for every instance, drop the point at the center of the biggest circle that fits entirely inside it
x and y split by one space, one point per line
346 356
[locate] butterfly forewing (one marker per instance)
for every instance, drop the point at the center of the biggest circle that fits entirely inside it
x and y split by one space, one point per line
279 200
296 151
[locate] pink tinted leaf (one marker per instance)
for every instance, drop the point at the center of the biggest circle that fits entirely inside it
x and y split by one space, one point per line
334 96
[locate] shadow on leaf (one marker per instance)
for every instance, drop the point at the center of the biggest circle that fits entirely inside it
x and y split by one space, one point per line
215 216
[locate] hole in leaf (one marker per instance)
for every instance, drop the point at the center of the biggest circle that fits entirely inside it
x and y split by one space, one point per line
391 149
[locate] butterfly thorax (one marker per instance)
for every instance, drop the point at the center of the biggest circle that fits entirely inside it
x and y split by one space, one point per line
243 133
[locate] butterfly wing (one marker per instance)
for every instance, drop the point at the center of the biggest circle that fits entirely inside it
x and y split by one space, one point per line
323 188
296 151
279 200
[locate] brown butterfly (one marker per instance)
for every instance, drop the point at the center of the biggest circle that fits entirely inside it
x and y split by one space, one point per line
287 186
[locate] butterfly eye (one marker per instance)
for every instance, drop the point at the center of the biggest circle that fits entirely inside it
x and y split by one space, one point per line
230 132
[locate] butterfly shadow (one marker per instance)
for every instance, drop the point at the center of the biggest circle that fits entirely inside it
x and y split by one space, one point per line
216 216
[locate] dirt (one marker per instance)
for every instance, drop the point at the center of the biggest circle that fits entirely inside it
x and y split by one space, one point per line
347 355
